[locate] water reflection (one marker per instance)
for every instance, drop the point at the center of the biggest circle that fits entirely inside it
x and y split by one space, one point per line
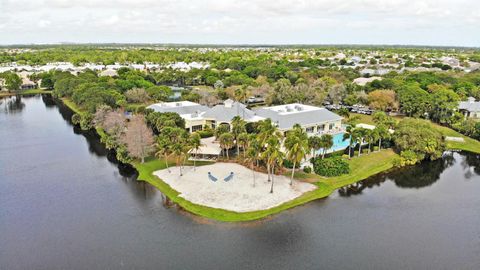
424 174
13 104
419 176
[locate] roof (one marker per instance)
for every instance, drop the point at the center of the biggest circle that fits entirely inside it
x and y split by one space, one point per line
471 106
286 116
181 107
225 112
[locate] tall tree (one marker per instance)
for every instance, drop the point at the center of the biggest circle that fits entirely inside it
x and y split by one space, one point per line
326 142
138 138
226 142
195 143
238 127
296 144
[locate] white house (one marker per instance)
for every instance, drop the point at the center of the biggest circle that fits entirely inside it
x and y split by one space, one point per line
470 108
315 120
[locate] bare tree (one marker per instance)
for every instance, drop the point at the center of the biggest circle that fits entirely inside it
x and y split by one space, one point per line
138 138
101 114
114 123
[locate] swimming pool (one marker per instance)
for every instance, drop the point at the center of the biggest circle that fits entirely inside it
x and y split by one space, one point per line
338 143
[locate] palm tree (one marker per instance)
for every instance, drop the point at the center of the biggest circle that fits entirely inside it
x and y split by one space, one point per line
238 127
267 131
252 157
178 152
243 141
163 146
314 143
382 133
358 135
195 143
226 142
326 142
348 136
296 143
273 156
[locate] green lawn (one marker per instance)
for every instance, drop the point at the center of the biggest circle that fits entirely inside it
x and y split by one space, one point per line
70 104
26 92
470 145
361 168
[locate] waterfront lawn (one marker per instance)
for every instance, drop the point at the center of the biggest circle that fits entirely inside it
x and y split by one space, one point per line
25 92
361 168
146 170
70 104
470 145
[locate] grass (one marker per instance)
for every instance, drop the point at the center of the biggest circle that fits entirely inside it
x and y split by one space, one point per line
70 104
146 170
25 92
361 168
469 144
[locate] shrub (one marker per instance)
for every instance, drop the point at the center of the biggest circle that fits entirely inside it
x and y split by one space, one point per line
76 119
206 133
287 164
333 166
406 158
307 169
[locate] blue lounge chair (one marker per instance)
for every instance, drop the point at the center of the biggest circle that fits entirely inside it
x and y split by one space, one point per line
211 177
228 178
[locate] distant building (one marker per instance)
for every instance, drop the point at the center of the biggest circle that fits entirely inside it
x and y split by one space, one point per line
27 84
470 108
363 81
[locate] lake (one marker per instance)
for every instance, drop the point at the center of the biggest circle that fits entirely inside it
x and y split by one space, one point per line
65 204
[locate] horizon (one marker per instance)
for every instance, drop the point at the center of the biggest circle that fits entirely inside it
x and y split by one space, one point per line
286 22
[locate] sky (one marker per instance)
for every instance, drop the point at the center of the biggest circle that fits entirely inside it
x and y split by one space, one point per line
392 22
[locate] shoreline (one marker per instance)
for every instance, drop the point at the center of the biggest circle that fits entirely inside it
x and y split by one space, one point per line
325 186
26 92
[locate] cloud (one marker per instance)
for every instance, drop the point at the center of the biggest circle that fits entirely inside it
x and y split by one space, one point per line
247 21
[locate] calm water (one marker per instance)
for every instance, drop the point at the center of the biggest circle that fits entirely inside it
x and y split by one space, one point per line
64 205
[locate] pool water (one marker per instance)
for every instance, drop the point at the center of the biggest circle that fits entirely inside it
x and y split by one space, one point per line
338 143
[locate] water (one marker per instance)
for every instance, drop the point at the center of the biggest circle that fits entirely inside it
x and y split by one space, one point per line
64 205
338 144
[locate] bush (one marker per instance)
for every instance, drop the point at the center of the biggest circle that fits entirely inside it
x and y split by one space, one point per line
287 164
333 166
76 119
307 169
406 158
206 133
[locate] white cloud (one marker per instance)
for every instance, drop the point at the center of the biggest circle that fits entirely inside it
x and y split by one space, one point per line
247 21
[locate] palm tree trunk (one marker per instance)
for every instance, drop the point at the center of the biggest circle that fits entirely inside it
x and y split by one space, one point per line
360 148
253 172
238 150
293 172
380 144
228 157
271 188
323 153
166 163
268 171
194 159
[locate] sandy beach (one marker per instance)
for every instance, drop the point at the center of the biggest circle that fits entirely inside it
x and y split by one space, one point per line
238 194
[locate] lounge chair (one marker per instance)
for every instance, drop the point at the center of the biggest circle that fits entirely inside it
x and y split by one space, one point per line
211 177
228 178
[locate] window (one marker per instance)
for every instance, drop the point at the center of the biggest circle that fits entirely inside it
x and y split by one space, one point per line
320 128
331 126
197 128
309 129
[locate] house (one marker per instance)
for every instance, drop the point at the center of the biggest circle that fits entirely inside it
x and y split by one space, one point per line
470 108
363 81
223 114
27 84
190 111
315 120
